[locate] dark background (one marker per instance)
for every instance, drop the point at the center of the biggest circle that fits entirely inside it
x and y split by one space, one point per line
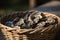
7 6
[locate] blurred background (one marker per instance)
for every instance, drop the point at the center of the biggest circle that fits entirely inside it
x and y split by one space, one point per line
8 6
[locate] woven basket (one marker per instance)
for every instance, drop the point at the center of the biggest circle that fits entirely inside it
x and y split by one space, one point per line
8 33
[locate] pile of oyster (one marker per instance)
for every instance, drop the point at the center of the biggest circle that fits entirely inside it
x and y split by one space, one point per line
32 20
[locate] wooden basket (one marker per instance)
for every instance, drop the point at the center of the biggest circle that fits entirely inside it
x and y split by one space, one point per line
8 33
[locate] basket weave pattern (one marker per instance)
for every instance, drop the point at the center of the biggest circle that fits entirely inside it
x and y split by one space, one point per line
47 33
18 34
